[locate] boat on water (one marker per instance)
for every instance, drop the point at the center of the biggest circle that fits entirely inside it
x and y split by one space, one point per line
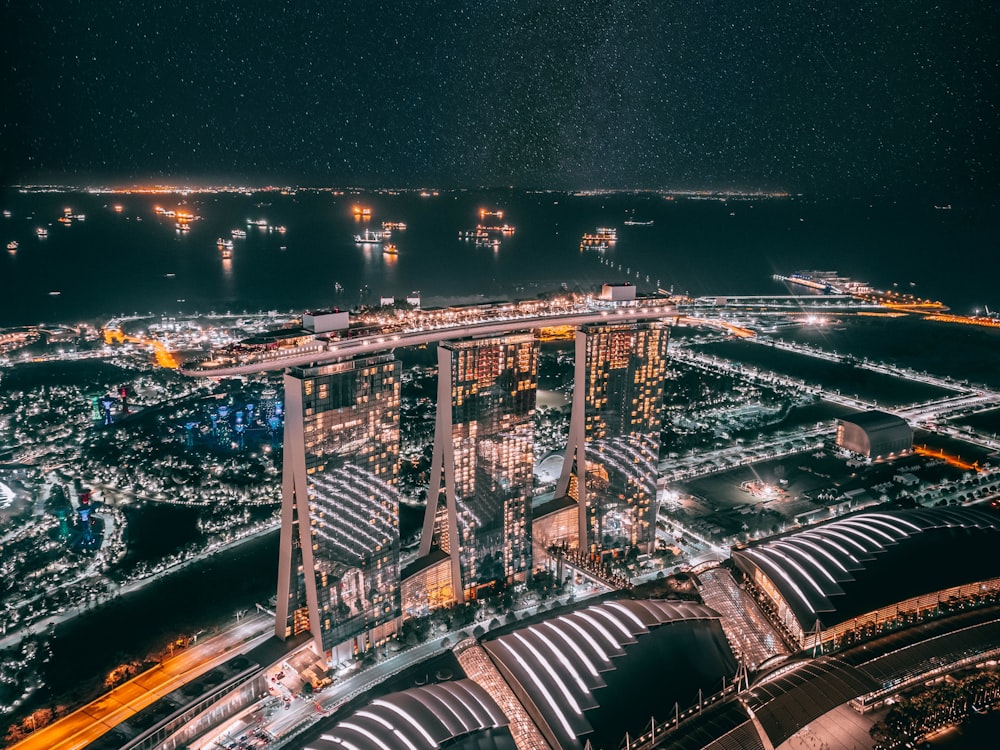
391 225
6 214
635 223
239 233
257 223
369 238
12 245
390 249
183 226
602 235
227 253
42 232
224 244
501 228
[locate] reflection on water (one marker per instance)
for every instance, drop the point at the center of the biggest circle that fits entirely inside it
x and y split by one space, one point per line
696 246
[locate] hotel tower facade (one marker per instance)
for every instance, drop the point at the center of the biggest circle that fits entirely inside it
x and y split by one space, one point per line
614 439
484 453
338 571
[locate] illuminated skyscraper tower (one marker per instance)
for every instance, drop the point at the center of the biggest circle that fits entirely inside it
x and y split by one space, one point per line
338 571
484 443
615 434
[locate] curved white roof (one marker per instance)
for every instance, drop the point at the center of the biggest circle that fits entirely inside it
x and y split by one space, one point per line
817 570
560 662
423 718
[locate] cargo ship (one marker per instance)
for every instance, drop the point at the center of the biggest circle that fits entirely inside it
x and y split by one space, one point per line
606 235
369 238
487 235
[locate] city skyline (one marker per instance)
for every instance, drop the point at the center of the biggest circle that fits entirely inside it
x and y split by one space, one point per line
369 619
519 374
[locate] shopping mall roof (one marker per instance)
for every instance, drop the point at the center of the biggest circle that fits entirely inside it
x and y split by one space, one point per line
580 671
861 563
422 718
941 651
875 421
791 698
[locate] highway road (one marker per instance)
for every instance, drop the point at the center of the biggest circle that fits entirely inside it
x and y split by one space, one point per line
89 723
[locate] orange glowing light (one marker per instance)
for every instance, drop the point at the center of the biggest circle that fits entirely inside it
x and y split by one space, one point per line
163 357
949 459
971 321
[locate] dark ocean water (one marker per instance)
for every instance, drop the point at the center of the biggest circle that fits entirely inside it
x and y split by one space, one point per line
114 263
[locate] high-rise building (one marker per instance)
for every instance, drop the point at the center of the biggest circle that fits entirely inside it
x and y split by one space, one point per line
484 447
268 403
614 435
338 571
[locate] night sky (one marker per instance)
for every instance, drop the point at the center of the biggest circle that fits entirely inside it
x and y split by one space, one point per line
816 97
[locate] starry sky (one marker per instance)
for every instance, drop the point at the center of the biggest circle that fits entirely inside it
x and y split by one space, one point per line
816 97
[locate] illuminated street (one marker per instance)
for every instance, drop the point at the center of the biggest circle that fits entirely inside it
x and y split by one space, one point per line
90 722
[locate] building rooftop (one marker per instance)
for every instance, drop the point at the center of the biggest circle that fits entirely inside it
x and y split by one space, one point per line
580 670
857 564
460 714
874 421
433 557
785 703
